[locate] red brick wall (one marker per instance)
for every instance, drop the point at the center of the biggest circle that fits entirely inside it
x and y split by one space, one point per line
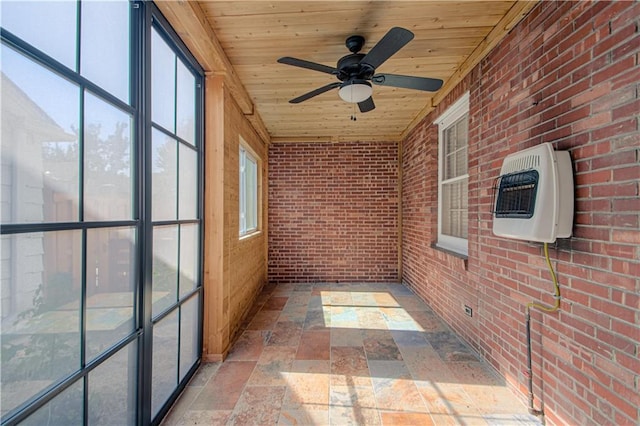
333 212
569 74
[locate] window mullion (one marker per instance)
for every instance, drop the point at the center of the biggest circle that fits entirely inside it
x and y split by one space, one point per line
175 131
454 179
143 31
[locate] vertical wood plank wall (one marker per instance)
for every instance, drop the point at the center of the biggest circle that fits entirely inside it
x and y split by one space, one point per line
213 319
235 269
245 260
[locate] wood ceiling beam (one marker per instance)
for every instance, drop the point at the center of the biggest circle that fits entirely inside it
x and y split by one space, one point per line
518 11
189 21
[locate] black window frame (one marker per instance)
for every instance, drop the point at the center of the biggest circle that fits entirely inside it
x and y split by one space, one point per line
143 16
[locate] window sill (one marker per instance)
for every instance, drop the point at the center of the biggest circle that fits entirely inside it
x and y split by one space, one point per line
454 257
250 235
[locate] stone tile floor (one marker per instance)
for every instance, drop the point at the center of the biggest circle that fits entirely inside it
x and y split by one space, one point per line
319 354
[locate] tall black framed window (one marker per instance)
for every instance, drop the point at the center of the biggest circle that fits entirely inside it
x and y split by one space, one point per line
101 213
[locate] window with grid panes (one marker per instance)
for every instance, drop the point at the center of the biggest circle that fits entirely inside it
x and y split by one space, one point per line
453 177
101 213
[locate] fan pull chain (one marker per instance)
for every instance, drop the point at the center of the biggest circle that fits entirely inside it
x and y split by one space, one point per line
353 116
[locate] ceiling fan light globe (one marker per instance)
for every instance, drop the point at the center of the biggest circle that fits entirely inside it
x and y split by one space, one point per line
355 92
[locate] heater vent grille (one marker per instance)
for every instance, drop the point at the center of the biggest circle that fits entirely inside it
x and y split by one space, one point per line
517 194
522 163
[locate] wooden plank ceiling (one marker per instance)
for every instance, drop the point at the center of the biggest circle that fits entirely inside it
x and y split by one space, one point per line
450 37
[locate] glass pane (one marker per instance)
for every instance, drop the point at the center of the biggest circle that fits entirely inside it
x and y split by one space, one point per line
164 176
165 267
107 159
50 26
189 332
464 226
464 211
189 255
164 377
65 409
251 194
242 192
446 208
462 131
112 389
188 193
450 167
463 138
39 142
455 212
455 224
110 287
450 139
449 147
461 162
41 312
163 82
455 146
104 58
186 105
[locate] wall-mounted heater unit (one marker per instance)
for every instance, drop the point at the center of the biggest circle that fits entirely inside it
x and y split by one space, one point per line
534 195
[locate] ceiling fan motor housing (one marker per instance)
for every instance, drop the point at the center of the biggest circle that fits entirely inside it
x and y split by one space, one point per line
350 67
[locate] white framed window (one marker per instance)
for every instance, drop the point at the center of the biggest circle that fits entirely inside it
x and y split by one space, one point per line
453 177
249 191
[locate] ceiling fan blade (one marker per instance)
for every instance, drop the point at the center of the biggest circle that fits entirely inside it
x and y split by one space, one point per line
407 82
308 65
392 41
367 105
316 92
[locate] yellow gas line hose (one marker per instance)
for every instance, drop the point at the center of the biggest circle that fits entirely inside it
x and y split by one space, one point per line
545 308
556 294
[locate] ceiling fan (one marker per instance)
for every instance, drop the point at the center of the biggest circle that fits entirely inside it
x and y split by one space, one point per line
356 70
